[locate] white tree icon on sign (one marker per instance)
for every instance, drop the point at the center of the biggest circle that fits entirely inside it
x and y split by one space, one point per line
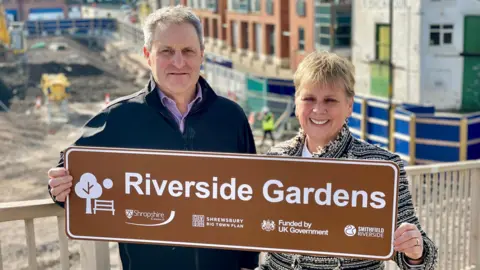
88 188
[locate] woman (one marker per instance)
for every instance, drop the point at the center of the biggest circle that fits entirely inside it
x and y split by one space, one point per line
324 95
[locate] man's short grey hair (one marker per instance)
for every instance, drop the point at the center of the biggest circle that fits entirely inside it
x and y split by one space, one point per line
171 15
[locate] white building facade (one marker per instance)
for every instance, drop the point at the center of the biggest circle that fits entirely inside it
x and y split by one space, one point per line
436 51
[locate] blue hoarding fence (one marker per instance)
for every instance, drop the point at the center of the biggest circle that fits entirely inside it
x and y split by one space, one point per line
418 134
96 26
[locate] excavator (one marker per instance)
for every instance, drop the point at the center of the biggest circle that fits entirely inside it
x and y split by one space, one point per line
12 37
4 34
55 88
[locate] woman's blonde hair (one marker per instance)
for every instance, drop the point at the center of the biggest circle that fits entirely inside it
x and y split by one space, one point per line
325 68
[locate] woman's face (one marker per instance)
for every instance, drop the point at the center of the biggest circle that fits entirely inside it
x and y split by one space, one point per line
321 111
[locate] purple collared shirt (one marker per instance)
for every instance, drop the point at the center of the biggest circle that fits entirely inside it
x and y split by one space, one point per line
172 106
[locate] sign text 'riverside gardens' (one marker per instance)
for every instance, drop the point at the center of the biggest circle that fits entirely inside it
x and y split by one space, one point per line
344 208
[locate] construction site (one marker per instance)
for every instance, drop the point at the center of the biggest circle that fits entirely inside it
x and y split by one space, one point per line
48 90
47 93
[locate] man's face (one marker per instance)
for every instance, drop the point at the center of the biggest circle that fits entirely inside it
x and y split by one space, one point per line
175 58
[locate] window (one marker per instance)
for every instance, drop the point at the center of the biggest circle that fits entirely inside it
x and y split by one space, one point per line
301 8
177 2
244 34
325 30
256 5
271 28
441 34
324 41
269 7
344 18
323 10
215 28
343 30
258 38
234 32
382 42
323 35
212 5
342 41
301 39
240 6
325 19
206 28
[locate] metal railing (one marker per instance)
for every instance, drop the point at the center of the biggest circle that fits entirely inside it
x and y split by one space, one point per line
233 84
446 199
447 203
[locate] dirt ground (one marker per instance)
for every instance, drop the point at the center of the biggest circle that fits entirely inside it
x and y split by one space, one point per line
29 145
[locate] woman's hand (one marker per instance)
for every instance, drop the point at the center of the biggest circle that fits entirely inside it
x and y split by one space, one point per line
409 240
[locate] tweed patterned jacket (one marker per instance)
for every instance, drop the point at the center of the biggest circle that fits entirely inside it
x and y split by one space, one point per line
345 146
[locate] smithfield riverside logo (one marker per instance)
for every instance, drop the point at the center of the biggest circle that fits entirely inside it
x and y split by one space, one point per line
350 230
363 231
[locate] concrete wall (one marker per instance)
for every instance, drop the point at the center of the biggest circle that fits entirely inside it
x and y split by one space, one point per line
406 52
406 48
442 66
423 73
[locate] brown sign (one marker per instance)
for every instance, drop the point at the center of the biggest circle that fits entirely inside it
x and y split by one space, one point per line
344 208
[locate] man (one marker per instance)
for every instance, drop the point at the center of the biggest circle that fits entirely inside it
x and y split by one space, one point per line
268 124
177 110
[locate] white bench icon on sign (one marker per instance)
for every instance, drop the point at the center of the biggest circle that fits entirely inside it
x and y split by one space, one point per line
103 205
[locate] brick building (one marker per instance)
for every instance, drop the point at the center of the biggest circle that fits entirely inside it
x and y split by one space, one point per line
270 37
156 4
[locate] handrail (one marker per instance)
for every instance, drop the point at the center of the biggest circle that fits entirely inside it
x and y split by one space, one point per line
443 167
28 211
434 203
20 210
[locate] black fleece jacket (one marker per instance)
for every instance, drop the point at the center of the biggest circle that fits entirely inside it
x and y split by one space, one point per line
140 120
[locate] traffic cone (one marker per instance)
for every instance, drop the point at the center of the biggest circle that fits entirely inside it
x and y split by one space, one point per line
38 102
107 99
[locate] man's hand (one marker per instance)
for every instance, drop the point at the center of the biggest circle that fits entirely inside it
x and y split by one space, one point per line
60 183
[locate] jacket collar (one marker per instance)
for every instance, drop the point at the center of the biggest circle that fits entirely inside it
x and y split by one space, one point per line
152 98
334 149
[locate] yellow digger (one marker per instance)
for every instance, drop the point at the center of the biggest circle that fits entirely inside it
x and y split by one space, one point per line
55 88
13 42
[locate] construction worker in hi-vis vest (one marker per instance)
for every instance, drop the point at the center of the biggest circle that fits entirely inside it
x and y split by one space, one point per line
268 125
